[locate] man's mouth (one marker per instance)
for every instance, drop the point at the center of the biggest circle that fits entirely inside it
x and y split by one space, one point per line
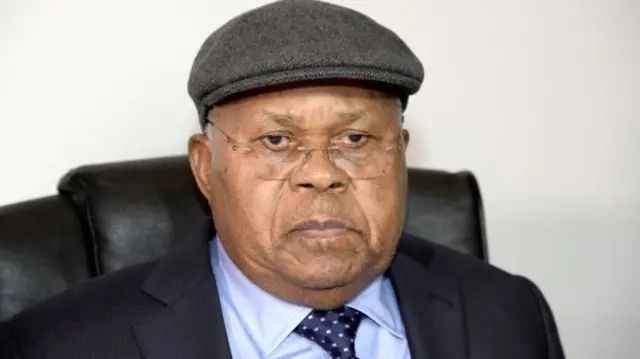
321 228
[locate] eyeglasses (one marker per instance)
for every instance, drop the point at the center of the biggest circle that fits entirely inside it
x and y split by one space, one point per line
275 156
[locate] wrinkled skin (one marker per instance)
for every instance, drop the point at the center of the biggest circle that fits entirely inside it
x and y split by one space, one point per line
255 217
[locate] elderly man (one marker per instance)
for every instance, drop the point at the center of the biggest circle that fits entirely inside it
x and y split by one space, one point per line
302 160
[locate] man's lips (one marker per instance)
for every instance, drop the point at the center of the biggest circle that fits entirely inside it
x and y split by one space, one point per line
317 228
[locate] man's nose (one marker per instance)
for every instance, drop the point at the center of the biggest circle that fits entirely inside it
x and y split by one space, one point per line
318 172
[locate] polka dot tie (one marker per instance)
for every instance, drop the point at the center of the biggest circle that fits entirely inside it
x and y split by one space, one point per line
334 330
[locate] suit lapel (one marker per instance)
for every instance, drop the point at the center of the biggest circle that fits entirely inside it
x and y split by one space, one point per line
431 306
191 324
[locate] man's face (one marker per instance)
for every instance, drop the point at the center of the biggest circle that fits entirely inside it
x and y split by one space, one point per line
297 218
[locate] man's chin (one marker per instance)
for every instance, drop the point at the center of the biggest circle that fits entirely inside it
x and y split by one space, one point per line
324 279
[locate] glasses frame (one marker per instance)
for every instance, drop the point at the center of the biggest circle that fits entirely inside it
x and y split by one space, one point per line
239 145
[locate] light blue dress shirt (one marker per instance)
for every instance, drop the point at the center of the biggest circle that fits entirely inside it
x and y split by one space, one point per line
260 326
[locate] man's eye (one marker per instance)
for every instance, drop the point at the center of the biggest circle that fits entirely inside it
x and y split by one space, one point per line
354 140
276 142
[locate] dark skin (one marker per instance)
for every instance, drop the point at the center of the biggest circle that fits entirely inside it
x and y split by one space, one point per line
255 217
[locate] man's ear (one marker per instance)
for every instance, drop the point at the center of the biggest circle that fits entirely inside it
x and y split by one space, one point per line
405 139
200 158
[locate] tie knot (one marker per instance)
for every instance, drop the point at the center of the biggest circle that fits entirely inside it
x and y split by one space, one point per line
334 330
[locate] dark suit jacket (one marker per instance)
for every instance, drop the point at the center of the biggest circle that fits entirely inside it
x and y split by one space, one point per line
453 306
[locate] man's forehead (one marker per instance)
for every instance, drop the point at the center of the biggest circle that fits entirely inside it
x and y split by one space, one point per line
296 104
290 116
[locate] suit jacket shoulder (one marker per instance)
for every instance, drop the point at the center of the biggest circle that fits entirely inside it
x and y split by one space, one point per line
469 272
163 310
503 314
87 316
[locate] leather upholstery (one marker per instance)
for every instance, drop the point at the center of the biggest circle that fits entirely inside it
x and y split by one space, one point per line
134 210
110 216
446 208
41 252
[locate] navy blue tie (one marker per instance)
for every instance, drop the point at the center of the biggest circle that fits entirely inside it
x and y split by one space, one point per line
334 330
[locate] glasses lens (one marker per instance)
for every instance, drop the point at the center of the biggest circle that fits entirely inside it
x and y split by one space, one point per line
367 162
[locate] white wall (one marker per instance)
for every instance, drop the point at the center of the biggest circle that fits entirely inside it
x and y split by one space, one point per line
540 98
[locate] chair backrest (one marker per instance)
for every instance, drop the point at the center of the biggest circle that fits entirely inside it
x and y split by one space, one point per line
42 252
111 216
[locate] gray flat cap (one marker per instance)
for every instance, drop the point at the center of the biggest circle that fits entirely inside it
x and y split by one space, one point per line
290 41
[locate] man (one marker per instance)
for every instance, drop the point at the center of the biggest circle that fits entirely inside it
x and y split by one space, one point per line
302 160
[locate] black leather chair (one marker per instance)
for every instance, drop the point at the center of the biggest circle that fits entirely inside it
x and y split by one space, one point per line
110 216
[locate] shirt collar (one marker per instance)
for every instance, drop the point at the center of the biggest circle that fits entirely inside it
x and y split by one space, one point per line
378 302
268 320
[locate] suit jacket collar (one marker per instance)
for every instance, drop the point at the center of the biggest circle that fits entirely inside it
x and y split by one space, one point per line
191 324
430 303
